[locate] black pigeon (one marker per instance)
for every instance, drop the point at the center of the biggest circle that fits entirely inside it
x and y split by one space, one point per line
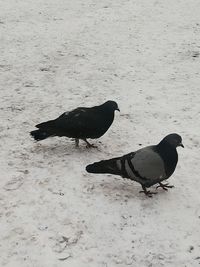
148 166
80 123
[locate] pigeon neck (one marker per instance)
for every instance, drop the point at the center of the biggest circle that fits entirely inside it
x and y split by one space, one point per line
110 116
169 155
110 113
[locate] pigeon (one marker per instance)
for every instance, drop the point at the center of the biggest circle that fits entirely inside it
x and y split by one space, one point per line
79 123
148 166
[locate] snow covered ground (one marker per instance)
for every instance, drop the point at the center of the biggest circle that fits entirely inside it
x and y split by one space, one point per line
57 55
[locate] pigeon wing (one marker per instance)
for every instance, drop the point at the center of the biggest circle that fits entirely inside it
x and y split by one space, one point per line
145 166
80 120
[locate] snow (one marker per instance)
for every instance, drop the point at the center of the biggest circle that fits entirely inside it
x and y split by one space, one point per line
58 55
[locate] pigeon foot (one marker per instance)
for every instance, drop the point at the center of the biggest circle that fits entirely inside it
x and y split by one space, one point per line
76 142
147 192
164 186
89 145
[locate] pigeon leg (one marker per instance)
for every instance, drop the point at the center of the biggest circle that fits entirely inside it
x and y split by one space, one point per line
76 142
146 192
88 144
164 186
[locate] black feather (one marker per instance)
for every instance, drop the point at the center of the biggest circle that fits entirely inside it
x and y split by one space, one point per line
104 166
39 135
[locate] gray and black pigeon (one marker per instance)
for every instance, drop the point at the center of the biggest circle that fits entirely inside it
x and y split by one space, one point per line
80 123
148 166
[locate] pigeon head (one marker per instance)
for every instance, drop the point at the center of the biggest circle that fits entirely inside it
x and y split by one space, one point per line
111 105
174 140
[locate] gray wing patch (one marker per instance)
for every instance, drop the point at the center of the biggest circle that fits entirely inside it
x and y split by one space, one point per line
119 164
82 110
129 171
148 164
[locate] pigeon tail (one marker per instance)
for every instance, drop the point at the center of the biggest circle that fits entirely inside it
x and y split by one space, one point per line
104 166
46 124
40 135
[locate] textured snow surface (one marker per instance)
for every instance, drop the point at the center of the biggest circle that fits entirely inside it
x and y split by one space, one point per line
58 55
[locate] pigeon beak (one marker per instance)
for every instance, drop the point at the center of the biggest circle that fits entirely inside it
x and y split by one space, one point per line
118 109
181 145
